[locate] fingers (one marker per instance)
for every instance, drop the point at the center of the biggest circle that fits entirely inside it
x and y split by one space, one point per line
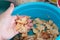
13 23
9 10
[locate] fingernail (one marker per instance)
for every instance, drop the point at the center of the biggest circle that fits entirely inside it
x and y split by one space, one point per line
11 4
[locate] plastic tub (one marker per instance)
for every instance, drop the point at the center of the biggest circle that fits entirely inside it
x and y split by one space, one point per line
42 10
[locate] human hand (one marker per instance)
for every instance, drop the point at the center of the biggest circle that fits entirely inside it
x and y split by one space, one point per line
58 3
7 24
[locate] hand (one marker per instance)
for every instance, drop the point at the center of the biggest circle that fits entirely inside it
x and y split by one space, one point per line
7 24
58 3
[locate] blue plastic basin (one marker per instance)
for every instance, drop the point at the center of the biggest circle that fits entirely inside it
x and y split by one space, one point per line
42 10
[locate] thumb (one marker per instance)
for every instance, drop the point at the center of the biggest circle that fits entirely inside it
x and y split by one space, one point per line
9 10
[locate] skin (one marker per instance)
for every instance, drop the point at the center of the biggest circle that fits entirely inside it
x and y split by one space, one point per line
58 3
7 24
